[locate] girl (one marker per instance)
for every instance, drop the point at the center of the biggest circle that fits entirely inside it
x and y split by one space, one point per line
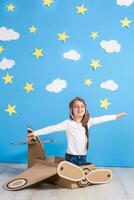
76 129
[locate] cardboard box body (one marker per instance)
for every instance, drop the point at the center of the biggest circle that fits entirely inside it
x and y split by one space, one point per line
36 153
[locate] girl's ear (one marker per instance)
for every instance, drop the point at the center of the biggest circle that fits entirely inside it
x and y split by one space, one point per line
71 115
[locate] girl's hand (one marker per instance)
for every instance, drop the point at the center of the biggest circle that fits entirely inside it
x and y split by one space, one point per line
31 137
119 115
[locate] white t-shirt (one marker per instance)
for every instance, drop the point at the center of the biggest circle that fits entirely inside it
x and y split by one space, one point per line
75 132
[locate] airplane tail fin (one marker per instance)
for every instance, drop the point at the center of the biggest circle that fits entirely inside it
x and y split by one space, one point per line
35 149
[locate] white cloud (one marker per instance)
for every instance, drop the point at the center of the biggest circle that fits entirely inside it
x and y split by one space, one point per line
56 86
6 63
125 2
109 85
8 34
110 46
72 55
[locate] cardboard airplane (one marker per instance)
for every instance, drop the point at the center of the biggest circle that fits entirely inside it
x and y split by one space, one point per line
55 170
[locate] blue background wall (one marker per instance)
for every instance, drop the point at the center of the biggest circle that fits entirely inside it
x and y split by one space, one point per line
111 144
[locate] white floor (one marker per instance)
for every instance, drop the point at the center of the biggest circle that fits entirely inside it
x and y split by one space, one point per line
120 188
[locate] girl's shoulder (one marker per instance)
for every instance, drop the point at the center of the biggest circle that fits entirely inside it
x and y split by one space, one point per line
68 121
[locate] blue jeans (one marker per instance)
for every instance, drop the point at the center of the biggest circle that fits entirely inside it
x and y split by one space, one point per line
76 159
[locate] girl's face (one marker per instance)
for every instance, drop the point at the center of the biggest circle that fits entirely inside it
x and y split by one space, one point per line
78 109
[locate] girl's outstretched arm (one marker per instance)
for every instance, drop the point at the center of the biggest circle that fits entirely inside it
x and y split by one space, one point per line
49 129
105 118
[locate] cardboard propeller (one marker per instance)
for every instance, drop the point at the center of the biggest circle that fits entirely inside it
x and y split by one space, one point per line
55 170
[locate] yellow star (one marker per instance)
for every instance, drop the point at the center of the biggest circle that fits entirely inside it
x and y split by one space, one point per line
63 36
88 82
94 35
7 78
1 49
11 109
10 7
95 64
126 22
81 9
47 2
32 29
28 87
37 53
104 103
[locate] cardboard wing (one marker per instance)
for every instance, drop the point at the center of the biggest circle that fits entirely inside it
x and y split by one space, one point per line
38 172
